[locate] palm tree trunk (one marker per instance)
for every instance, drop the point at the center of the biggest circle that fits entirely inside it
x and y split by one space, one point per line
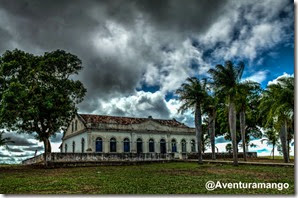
212 134
242 129
232 123
283 140
198 124
273 146
289 142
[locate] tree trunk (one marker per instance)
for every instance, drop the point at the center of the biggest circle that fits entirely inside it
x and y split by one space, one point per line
283 140
212 135
273 146
242 129
289 142
47 149
232 124
198 124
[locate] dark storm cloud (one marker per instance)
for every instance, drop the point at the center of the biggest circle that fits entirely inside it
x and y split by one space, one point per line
18 139
16 150
182 16
34 148
38 26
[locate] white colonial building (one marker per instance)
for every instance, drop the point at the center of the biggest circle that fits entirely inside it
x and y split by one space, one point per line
110 134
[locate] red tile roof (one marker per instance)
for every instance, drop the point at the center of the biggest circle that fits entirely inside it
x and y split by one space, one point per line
96 119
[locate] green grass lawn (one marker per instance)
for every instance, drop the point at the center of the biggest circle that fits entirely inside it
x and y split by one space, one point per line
159 178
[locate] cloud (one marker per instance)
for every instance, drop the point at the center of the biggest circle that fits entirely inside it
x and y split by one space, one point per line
221 139
274 81
140 104
34 148
18 139
56 138
14 149
187 117
259 76
249 29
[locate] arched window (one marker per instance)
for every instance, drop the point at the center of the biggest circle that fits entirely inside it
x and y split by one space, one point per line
98 145
72 127
183 145
151 145
65 149
163 146
174 146
139 145
113 145
83 145
126 145
76 125
193 145
73 146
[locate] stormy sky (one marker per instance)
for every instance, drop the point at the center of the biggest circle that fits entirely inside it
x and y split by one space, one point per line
137 53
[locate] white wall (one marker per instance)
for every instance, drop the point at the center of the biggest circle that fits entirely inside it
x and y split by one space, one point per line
120 136
78 146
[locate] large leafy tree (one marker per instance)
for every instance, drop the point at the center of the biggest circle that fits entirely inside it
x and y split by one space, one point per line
192 95
247 92
277 104
37 95
225 80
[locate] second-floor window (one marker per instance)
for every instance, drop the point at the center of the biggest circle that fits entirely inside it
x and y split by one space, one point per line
76 125
72 127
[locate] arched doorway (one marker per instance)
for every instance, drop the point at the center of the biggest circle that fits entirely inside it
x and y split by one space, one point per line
113 145
139 145
83 145
163 148
126 145
73 146
174 146
151 145
193 145
98 145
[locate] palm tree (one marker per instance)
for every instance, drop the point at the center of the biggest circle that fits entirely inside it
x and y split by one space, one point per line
192 95
225 80
4 141
209 107
271 137
277 103
245 91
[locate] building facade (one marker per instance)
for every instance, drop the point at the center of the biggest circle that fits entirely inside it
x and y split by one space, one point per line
110 134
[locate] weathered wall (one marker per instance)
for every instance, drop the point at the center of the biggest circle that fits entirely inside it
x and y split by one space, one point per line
145 131
80 127
133 136
78 143
223 155
34 160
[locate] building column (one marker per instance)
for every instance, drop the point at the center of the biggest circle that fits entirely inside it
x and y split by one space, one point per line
133 144
168 142
106 145
89 141
119 145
